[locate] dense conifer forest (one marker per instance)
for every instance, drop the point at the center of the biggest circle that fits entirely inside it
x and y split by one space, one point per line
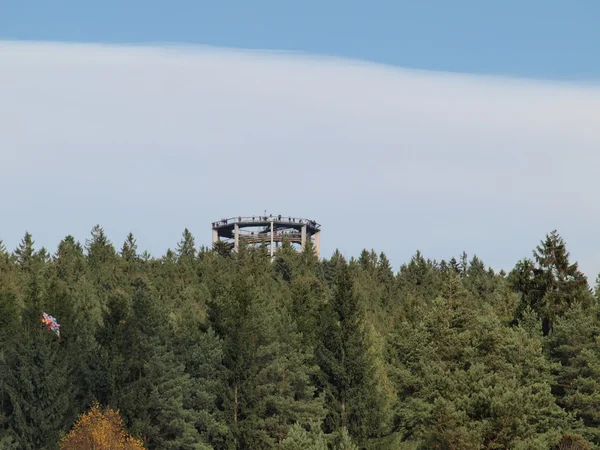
204 348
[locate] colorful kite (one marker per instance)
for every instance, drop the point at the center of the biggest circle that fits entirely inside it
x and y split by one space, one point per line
51 324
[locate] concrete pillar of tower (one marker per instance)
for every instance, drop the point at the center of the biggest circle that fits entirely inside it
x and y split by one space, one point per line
272 246
215 237
236 228
318 244
303 241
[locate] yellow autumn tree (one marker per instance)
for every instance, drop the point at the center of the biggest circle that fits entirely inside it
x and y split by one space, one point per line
100 429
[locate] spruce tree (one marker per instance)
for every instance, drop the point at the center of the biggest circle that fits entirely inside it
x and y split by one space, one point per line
466 381
552 285
37 385
201 351
152 386
347 370
299 438
99 248
129 249
102 262
418 281
25 252
282 378
69 261
268 367
78 309
10 331
573 344
186 249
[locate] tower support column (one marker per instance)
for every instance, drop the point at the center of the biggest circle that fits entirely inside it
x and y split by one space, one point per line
236 229
271 248
303 238
270 231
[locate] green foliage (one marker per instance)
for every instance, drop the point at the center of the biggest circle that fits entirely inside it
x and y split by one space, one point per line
299 438
573 344
36 383
467 381
343 441
151 384
25 252
552 285
348 370
209 348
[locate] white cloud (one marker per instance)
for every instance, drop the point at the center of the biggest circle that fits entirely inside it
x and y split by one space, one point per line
155 139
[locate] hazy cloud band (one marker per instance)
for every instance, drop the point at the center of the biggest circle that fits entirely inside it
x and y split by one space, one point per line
157 138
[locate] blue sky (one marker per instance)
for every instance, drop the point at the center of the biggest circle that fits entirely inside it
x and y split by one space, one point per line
547 39
476 129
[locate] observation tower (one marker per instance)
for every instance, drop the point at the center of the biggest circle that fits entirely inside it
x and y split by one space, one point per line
269 230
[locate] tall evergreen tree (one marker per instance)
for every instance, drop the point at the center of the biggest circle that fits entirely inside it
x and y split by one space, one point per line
281 376
100 249
102 262
25 251
225 350
553 284
69 260
186 249
299 438
347 370
573 344
152 386
201 351
466 381
129 248
37 386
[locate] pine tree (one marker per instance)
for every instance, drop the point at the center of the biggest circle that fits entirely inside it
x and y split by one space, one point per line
69 260
102 262
129 249
80 312
219 349
299 438
344 441
100 249
5 258
201 351
152 386
307 293
286 262
36 382
418 281
347 380
554 284
466 381
268 368
25 252
384 270
9 334
184 273
573 343
281 376
9 319
186 249
367 260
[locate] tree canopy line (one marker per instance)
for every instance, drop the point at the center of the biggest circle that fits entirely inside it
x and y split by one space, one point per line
205 348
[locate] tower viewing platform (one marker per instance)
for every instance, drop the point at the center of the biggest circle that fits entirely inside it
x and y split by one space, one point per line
269 230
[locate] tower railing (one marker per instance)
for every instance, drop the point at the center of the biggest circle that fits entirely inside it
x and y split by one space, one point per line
263 219
272 229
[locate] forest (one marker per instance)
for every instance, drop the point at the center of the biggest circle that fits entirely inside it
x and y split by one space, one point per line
206 348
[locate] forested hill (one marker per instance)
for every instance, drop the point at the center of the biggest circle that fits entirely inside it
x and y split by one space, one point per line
203 348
